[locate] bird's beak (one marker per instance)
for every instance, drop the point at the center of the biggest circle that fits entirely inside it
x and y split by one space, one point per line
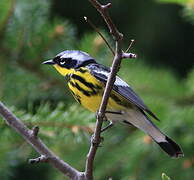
50 62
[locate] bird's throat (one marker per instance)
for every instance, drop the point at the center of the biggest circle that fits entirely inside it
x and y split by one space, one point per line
63 71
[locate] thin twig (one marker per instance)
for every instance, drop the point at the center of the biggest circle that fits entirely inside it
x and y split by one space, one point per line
130 45
119 55
101 35
38 145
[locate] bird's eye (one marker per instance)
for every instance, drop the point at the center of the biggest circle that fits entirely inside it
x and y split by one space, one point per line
62 62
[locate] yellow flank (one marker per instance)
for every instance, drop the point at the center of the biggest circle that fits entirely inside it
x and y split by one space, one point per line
89 97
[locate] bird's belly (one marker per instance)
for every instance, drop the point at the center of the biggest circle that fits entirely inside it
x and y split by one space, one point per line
93 102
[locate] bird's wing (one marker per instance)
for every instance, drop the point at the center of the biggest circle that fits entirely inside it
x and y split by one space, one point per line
121 87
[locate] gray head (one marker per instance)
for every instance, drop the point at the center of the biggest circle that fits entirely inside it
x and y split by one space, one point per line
71 59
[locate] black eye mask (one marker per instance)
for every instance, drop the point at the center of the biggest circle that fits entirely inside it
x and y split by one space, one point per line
71 63
65 62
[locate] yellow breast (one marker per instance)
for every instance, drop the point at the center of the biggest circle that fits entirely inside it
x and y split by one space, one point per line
88 90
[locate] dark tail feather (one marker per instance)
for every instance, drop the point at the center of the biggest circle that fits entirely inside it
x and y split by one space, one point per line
171 148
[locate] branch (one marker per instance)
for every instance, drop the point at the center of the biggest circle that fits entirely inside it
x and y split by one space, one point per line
103 10
100 115
31 137
118 56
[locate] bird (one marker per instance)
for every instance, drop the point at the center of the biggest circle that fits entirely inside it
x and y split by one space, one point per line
86 79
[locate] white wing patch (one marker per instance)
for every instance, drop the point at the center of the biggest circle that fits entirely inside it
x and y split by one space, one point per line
118 81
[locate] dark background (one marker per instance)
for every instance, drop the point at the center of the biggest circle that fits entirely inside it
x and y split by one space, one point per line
162 35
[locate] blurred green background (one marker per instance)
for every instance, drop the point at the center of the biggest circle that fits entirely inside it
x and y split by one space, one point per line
163 75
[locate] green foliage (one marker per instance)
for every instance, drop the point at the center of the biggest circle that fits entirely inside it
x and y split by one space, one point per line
36 94
175 1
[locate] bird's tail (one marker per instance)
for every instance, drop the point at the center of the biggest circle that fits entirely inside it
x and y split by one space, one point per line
141 121
171 148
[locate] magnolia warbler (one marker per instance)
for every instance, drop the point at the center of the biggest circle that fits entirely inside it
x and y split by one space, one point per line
86 81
